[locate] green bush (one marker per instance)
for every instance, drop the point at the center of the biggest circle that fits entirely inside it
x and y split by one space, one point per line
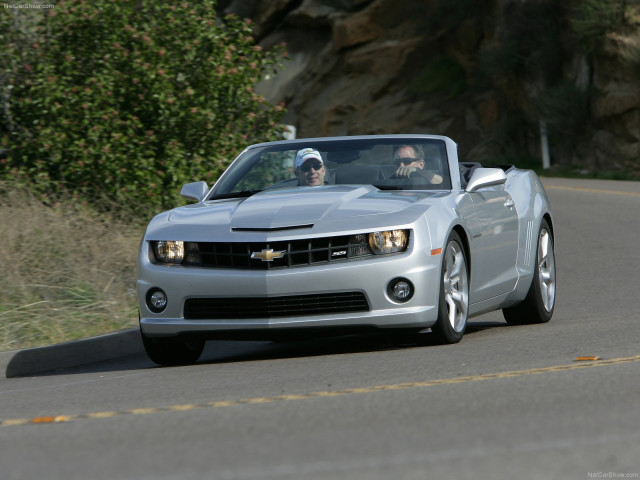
591 20
130 97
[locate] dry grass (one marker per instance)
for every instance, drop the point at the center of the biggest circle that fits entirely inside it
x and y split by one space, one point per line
67 271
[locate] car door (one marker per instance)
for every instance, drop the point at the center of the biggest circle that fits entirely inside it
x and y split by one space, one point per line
492 221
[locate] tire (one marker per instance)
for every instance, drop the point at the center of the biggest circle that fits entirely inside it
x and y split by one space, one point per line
539 303
453 306
173 351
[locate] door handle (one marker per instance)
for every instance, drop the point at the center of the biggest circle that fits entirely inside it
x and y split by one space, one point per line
508 203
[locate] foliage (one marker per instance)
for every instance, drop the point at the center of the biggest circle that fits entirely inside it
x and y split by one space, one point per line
527 64
130 98
593 19
447 14
510 138
530 43
565 108
442 74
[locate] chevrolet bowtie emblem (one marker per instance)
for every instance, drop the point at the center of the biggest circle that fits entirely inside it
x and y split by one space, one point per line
267 255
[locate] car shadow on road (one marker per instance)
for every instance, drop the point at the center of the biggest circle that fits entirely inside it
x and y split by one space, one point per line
220 352
231 352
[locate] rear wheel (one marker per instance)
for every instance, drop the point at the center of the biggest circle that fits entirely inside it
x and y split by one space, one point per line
538 306
173 351
453 306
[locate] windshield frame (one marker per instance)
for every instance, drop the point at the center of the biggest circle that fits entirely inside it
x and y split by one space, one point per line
330 148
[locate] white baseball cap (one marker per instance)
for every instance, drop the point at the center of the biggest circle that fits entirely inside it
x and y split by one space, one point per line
307 154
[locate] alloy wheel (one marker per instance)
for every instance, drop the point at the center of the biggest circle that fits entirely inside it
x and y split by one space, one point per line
546 270
456 287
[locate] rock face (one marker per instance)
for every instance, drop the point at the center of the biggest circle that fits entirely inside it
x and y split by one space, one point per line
616 108
403 66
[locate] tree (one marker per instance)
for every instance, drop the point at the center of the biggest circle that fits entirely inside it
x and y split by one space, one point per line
114 97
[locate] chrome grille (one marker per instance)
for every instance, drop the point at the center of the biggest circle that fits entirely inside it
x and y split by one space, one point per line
269 307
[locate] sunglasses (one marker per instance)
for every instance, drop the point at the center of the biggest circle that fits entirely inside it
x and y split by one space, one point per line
405 161
308 166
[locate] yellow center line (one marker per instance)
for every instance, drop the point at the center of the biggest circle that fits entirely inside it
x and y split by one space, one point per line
16 421
101 414
591 190
306 396
183 408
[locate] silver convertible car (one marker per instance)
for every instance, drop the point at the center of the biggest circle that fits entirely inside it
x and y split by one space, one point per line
331 236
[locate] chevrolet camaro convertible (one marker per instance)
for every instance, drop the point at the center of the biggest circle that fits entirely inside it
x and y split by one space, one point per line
331 236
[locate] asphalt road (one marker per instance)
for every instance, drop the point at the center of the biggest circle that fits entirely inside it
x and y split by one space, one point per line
507 402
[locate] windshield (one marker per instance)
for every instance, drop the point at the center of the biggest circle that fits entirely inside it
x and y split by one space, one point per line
387 163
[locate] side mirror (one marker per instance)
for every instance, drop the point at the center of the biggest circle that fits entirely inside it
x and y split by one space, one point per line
194 191
486 177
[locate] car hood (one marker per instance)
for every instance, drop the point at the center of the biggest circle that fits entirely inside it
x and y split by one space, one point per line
321 209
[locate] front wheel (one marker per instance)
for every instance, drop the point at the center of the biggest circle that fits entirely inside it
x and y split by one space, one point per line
539 303
172 351
453 306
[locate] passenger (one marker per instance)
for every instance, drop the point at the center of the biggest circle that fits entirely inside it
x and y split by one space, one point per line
409 160
310 168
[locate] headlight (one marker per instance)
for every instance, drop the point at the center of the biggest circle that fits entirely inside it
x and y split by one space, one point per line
175 252
390 241
168 251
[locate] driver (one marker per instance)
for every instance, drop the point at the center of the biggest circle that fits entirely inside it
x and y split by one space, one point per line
409 161
310 168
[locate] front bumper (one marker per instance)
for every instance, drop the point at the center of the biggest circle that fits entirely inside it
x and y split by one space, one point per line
370 276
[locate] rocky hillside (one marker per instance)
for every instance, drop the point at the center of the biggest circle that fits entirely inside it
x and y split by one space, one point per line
484 72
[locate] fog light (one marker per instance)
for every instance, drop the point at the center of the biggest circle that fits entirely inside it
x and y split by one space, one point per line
400 290
156 300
